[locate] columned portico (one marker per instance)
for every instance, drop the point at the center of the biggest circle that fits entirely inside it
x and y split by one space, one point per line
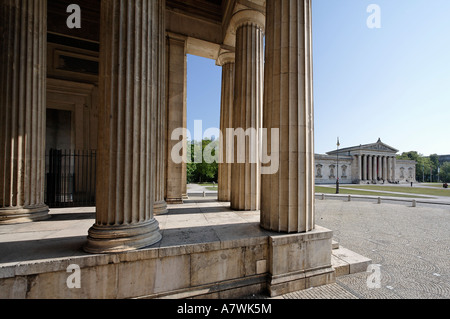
370 163
247 110
127 127
23 63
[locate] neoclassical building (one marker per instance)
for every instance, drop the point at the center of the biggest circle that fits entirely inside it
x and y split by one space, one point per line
374 163
115 83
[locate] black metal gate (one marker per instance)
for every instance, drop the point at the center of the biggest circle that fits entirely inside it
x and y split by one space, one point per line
70 178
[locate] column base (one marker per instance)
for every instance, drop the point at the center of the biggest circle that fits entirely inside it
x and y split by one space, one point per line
20 215
160 208
300 261
115 239
223 197
172 201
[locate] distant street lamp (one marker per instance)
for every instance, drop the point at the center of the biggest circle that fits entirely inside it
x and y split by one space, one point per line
431 174
337 169
439 171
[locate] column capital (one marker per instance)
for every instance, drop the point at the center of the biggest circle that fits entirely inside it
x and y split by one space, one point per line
225 57
248 16
180 38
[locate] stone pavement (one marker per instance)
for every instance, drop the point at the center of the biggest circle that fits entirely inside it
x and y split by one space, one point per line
419 197
412 246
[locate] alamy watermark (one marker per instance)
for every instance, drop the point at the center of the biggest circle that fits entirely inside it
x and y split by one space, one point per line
232 146
374 20
74 19
374 279
74 280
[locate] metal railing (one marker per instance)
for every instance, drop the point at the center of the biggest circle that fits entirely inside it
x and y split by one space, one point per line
70 178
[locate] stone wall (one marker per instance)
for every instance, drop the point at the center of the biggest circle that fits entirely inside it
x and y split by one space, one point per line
326 169
277 264
405 171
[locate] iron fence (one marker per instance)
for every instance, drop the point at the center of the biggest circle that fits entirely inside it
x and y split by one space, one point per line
70 178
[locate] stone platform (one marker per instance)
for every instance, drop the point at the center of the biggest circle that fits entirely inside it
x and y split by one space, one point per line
207 251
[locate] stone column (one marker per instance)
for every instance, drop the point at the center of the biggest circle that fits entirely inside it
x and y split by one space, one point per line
370 169
287 196
374 168
394 165
128 87
184 163
385 168
247 110
380 170
23 62
302 258
389 168
364 173
176 110
227 62
359 168
160 206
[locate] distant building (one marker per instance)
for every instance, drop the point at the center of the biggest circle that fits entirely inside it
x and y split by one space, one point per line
375 163
443 159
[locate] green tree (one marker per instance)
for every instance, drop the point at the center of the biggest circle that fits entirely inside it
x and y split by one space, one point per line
445 172
434 160
191 172
201 170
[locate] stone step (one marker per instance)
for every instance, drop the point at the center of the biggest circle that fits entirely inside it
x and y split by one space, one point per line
334 245
347 262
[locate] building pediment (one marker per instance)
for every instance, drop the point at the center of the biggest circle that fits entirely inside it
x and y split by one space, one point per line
379 146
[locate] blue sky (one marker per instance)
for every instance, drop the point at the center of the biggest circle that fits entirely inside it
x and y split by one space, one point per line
391 83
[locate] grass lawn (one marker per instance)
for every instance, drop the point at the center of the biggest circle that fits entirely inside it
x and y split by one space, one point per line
405 189
210 186
329 190
437 185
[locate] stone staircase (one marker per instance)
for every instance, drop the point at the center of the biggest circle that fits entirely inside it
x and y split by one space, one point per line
347 262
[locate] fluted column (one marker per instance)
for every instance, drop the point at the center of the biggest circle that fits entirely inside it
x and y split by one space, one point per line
359 168
128 86
389 168
160 205
380 170
370 170
287 196
23 42
176 116
385 168
374 168
394 164
364 168
227 61
247 110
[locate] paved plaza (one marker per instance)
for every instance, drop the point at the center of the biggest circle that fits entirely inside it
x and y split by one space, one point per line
412 245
